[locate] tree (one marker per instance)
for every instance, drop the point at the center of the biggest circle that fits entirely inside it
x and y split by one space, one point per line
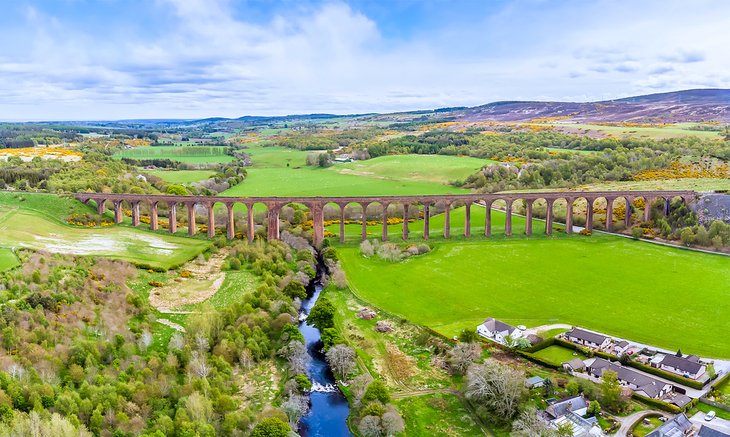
594 408
529 424
369 426
468 336
296 353
295 407
687 236
611 391
341 359
497 387
376 391
176 190
462 356
392 422
322 315
271 427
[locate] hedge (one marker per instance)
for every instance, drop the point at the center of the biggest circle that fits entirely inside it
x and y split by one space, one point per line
667 375
657 403
538 360
542 345
720 381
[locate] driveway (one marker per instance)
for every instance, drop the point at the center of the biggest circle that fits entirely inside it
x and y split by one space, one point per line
629 421
717 423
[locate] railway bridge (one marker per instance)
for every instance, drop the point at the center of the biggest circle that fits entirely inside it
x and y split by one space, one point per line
424 204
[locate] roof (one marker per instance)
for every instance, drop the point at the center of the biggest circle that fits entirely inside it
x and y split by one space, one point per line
535 379
706 431
650 386
681 400
682 364
561 408
495 325
576 363
622 343
672 428
582 334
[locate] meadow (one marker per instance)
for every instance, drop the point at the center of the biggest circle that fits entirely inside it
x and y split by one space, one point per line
615 285
8 260
181 176
187 154
432 168
36 222
558 355
677 130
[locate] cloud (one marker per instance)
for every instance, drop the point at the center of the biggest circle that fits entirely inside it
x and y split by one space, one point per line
200 58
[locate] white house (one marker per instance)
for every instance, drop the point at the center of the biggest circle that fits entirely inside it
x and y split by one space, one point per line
689 367
587 338
621 347
496 330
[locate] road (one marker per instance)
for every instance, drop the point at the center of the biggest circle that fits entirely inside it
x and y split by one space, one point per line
629 421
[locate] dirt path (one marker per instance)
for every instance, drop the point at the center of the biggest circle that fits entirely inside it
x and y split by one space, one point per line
205 280
172 325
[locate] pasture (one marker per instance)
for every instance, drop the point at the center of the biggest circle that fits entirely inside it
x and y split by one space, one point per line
181 176
187 154
558 355
662 296
25 228
658 132
8 260
433 168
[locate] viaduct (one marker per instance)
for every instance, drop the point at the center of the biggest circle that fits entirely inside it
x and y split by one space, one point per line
423 203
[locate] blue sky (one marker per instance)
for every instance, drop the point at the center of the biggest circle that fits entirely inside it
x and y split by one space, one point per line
112 59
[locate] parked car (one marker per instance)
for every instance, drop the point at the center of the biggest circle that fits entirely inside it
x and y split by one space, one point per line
711 415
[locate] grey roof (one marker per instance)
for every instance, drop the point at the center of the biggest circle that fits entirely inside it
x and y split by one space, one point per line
584 335
561 408
706 431
622 343
682 364
681 400
576 364
652 387
672 428
495 325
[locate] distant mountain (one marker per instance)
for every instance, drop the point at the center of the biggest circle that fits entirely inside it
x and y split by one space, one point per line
673 107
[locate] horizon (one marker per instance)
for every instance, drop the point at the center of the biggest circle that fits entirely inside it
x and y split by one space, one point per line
193 59
343 114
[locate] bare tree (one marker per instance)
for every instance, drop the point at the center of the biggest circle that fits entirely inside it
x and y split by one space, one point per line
392 422
246 359
199 365
296 353
462 356
369 426
528 424
341 359
359 385
295 407
497 387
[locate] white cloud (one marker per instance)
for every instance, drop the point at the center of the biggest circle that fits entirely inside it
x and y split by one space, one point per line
332 58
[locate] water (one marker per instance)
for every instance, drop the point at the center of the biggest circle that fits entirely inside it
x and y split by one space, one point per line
328 414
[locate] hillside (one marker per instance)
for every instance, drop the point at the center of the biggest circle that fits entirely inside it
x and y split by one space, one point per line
673 107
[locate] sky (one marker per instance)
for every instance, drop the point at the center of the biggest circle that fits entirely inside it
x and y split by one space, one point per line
124 59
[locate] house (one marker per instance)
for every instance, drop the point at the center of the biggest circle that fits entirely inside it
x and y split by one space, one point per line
587 338
621 347
534 382
688 367
680 400
497 330
638 382
576 404
574 365
706 431
580 426
677 427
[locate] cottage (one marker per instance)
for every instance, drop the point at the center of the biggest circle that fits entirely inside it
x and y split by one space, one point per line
497 330
534 382
574 365
579 426
677 427
638 382
576 404
689 367
621 347
587 338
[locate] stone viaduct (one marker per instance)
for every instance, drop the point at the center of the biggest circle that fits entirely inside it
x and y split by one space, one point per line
424 203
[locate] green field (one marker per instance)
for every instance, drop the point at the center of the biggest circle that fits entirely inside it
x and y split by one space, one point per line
432 168
558 355
27 228
187 154
424 416
181 176
8 260
636 290
678 130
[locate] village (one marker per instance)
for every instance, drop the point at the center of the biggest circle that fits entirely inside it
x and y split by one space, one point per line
668 383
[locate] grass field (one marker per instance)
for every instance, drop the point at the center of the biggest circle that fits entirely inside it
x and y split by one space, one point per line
431 168
187 154
557 354
424 416
8 260
27 228
672 131
627 288
181 176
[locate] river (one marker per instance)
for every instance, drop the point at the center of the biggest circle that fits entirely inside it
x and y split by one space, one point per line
328 414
